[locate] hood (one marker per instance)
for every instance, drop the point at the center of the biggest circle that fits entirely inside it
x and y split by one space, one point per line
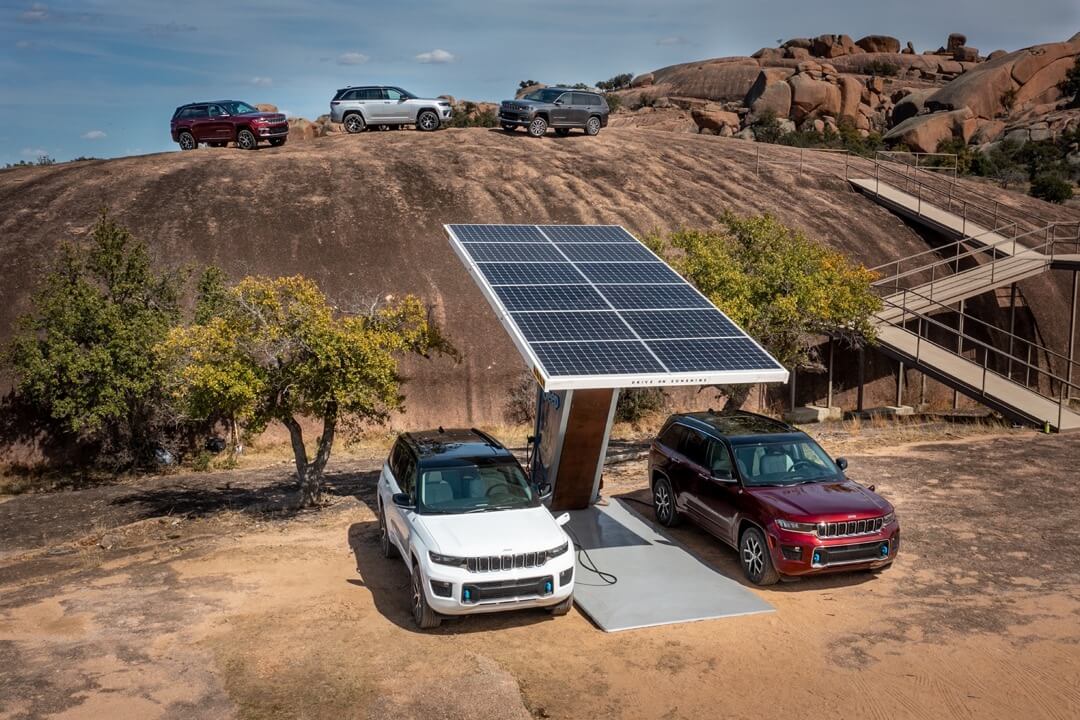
524 103
499 532
272 117
822 501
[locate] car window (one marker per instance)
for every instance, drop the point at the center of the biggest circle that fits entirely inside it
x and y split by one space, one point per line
392 94
696 448
196 112
582 99
407 479
719 460
784 463
480 487
545 95
566 99
216 110
596 100
673 436
369 94
395 458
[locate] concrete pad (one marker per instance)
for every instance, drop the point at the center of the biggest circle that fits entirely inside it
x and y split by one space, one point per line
657 581
891 411
812 414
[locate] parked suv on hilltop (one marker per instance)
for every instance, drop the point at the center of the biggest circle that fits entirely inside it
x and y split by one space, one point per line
224 121
457 507
361 107
558 108
770 491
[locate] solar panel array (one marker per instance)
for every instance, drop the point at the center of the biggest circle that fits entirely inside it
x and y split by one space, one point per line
592 304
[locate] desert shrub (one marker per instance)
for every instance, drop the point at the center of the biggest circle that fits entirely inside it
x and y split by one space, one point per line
636 404
1000 164
614 102
619 82
1071 84
881 67
1051 187
1008 100
766 127
470 115
520 408
965 155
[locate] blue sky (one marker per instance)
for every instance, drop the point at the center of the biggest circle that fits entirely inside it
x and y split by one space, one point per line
102 77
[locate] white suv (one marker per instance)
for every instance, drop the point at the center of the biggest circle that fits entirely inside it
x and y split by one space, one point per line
359 108
457 507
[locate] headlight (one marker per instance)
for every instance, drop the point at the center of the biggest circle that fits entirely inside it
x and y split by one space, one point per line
556 551
448 560
796 526
888 519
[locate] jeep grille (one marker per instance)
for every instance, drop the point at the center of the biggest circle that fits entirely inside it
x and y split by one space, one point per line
494 563
849 528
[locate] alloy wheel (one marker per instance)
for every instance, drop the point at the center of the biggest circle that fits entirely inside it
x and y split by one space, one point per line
753 555
354 124
245 140
417 596
662 501
593 126
538 127
187 141
428 121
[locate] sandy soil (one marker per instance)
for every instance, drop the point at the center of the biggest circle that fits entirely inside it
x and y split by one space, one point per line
192 596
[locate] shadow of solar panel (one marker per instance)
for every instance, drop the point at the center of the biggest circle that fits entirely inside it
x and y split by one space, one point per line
531 274
657 324
596 358
547 326
510 252
607 252
587 233
711 355
499 233
659 297
653 273
540 297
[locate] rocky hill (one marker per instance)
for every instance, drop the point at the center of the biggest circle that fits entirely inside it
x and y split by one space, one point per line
363 216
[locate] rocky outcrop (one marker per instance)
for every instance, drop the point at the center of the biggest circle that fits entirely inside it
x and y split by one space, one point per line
832 46
923 133
810 96
719 80
715 120
910 105
266 107
522 92
770 93
643 80
879 44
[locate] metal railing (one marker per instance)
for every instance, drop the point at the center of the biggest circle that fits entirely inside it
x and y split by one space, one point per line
964 342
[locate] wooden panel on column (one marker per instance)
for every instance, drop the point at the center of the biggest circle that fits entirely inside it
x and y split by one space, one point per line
582 444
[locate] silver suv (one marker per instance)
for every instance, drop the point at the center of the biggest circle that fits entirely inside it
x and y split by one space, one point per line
361 107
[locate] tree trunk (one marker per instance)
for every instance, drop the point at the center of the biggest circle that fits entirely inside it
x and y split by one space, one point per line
310 473
736 397
296 435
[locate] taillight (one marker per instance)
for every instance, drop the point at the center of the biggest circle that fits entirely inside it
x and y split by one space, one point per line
334 102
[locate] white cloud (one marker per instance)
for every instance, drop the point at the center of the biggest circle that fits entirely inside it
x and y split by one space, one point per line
352 58
35 14
261 81
436 56
672 40
33 152
94 135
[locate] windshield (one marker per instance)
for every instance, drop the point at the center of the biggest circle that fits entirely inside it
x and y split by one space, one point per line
475 488
546 95
238 108
784 463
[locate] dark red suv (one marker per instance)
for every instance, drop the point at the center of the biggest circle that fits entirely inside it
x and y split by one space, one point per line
224 121
770 491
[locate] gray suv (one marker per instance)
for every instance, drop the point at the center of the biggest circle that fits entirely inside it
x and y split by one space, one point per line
361 107
558 108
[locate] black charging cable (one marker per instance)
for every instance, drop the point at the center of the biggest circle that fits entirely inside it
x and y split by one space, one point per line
587 563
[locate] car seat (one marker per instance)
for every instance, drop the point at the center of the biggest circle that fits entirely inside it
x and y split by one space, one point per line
775 461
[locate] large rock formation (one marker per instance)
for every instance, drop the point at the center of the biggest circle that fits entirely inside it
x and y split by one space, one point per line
879 44
813 97
832 46
770 93
720 80
923 133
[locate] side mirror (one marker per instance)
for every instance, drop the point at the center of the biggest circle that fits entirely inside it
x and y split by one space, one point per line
562 519
841 463
544 489
723 476
559 102
403 501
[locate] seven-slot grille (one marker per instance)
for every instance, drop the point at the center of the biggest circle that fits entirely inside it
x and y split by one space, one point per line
494 563
849 528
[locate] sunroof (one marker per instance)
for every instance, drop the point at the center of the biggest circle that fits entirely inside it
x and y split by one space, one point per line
589 306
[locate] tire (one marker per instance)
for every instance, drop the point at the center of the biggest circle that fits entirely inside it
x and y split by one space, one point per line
277 142
562 608
386 545
246 140
562 132
354 123
755 558
427 121
424 617
538 127
664 503
509 128
592 127
186 141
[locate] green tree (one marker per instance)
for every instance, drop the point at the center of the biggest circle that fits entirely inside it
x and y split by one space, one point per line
775 282
81 356
277 350
1051 187
1071 84
619 82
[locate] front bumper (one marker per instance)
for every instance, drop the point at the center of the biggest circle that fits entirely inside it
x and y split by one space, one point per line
464 593
507 117
272 131
803 554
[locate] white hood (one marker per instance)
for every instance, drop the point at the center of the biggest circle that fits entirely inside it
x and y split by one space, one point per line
498 532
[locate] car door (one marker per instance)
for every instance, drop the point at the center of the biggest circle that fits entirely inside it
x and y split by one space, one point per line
719 491
580 112
397 110
201 126
668 460
695 472
219 124
402 479
376 105
562 110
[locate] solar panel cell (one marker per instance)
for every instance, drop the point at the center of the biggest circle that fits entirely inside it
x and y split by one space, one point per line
712 355
499 233
541 297
531 274
596 358
653 273
558 326
659 324
658 297
587 233
606 252
513 252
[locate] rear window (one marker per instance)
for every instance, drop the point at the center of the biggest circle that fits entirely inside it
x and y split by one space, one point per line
187 113
586 99
370 94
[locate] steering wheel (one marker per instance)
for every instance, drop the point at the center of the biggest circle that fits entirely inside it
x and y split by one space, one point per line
795 466
502 489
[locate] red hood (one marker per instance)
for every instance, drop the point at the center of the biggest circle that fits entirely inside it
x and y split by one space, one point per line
813 502
272 117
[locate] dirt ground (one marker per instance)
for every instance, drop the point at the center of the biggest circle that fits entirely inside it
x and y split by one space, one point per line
196 596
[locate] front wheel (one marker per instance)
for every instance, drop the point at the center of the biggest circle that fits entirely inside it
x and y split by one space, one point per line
427 121
277 142
354 123
592 127
664 503
423 615
538 127
756 560
187 141
245 140
562 608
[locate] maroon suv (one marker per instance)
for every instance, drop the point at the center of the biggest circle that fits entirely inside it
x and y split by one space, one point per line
770 491
224 121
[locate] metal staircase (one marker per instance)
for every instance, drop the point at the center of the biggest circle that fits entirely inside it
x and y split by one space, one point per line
993 246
